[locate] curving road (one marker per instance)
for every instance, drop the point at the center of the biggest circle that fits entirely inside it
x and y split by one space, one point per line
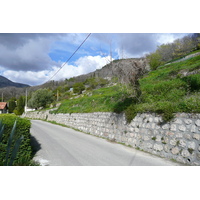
61 146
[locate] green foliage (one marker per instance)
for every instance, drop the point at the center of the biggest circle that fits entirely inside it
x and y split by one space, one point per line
190 103
166 109
154 60
11 154
170 90
78 88
153 138
130 113
100 100
15 141
20 106
124 104
41 98
12 105
95 82
193 82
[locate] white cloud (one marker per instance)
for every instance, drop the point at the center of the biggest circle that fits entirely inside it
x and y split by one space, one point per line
83 65
169 38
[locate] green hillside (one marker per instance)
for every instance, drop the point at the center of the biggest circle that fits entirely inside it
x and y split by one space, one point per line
168 89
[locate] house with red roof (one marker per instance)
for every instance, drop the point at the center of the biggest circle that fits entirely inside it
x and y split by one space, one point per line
3 107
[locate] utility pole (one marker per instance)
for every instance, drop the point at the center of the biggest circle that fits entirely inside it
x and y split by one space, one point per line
2 97
57 95
25 109
26 97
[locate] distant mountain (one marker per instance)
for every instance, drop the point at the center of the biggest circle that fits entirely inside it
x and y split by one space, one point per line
4 82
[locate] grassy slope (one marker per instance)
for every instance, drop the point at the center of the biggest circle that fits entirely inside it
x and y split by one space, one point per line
167 84
164 90
100 100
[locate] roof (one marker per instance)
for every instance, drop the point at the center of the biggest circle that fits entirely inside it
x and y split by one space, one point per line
2 105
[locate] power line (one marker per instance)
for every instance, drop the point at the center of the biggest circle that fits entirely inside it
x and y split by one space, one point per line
71 55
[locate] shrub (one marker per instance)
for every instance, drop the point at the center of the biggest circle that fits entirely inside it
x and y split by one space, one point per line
190 104
130 113
154 60
78 88
123 105
193 82
166 109
24 154
41 98
11 150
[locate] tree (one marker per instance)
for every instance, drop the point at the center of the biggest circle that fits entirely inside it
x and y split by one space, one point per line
196 39
20 106
78 88
41 98
165 51
12 105
154 60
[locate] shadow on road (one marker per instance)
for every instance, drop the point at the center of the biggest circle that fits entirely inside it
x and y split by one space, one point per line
35 145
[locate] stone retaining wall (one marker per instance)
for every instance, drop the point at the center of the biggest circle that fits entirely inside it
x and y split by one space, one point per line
178 139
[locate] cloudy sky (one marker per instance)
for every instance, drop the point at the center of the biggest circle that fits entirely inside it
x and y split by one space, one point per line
33 58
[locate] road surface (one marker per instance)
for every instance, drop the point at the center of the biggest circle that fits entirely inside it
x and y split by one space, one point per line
61 146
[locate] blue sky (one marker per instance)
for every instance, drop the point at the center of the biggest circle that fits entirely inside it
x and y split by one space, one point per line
33 58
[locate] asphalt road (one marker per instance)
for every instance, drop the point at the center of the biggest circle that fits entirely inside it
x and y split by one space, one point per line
61 146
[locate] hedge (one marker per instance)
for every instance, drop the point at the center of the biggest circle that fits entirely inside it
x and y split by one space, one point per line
23 126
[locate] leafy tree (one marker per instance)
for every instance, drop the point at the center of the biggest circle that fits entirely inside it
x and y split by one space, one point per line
20 106
196 39
154 60
166 52
12 105
78 88
41 98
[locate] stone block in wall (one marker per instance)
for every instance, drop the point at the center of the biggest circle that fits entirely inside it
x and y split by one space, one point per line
197 122
148 126
181 159
178 121
149 145
155 132
166 148
182 128
146 137
157 119
187 136
196 136
131 134
158 138
153 125
198 156
193 129
175 150
185 153
165 127
191 145
137 130
182 143
169 133
188 121
173 142
158 147
178 135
